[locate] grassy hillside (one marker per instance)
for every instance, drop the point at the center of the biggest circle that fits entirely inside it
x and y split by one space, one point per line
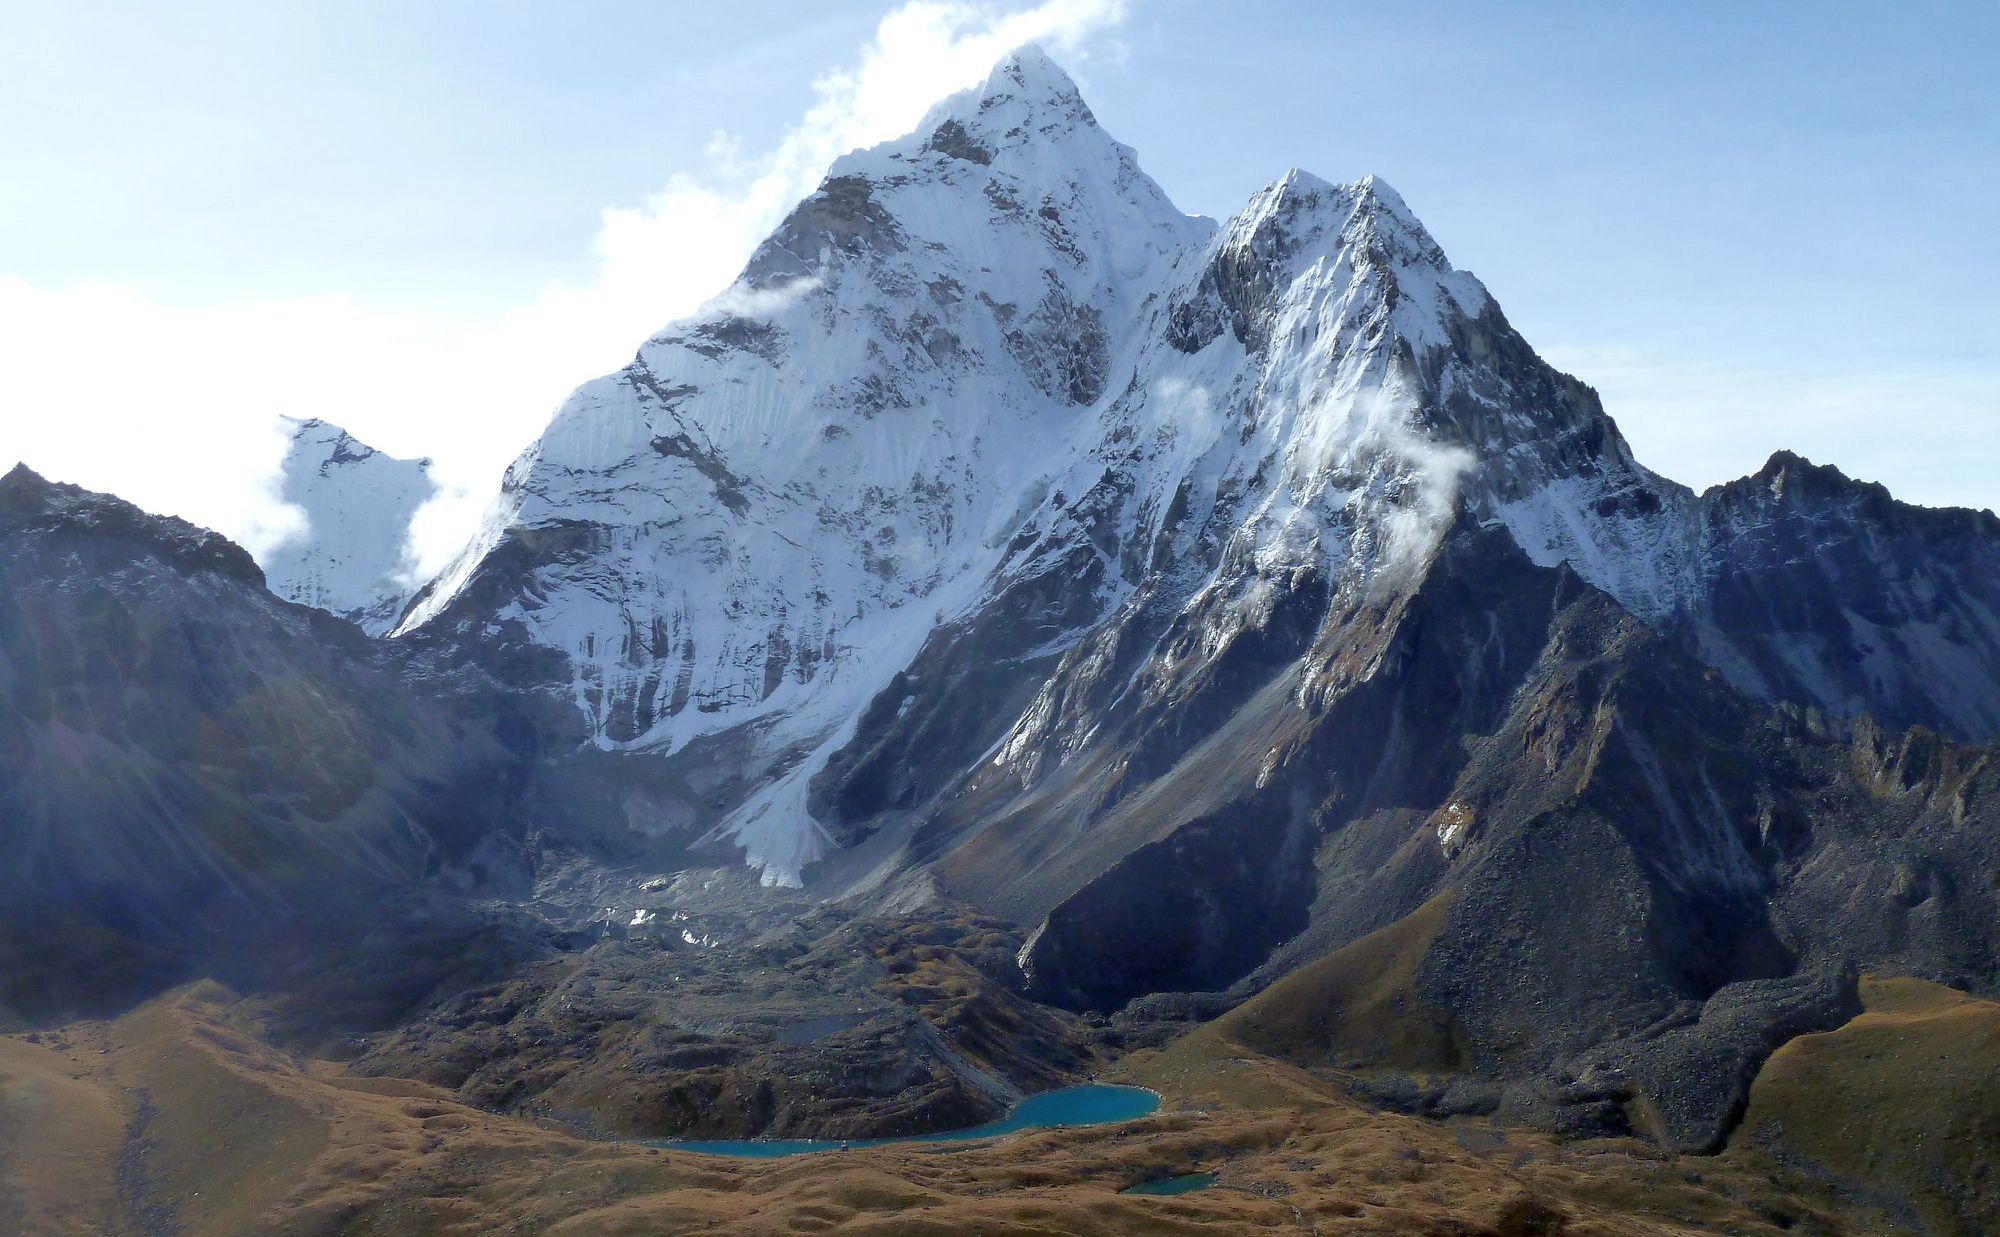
1357 1007
1902 1104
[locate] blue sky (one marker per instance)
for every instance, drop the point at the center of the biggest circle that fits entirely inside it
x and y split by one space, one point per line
1751 226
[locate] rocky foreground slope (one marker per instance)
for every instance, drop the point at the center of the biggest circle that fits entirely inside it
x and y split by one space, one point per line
198 778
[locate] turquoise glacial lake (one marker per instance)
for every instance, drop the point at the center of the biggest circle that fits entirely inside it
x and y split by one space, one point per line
1096 1104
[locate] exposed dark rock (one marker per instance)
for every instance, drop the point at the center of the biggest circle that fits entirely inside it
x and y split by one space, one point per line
1827 592
1695 1067
950 138
842 214
728 486
1063 347
828 1028
1197 909
30 503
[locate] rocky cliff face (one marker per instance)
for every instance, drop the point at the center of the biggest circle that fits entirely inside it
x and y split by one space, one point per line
194 769
1826 591
1647 879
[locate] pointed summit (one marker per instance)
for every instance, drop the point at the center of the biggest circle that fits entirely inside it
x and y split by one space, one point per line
22 478
1027 105
1299 206
24 493
1020 152
1030 73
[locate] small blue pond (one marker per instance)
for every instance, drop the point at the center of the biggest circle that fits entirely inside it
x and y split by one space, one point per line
1095 1104
1187 1183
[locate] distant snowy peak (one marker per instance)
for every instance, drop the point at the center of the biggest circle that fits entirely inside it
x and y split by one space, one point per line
353 557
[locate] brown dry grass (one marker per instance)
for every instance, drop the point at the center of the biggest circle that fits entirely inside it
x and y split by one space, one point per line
245 1140
1352 1169
1903 1102
55 1128
1357 1007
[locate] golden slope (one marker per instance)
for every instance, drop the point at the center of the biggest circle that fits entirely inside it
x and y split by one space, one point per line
1356 1008
1903 1102
56 1128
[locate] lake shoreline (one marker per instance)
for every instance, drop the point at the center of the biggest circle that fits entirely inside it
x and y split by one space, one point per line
1088 1105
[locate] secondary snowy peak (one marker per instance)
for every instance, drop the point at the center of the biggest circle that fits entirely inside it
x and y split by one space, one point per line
1301 228
353 557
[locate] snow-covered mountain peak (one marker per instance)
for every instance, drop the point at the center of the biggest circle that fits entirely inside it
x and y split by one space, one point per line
352 559
988 371
1299 208
1023 147
1031 71
325 447
1025 85
989 336
1321 255
1025 105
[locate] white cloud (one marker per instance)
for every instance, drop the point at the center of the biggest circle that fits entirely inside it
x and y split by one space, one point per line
173 403
748 302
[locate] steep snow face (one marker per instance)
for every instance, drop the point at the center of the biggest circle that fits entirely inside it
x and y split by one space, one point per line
1274 438
353 557
768 510
1321 395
